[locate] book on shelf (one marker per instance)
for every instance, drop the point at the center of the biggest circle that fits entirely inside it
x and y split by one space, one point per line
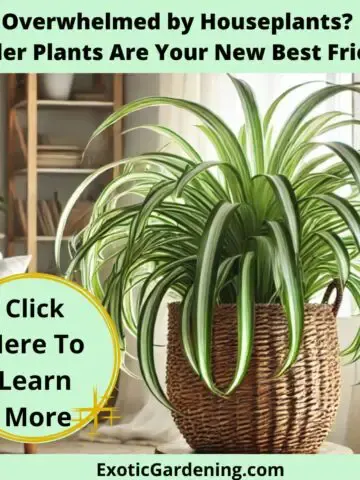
79 217
20 206
49 212
50 227
55 209
41 225
48 216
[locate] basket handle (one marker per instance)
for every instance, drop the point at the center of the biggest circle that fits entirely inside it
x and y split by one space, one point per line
334 285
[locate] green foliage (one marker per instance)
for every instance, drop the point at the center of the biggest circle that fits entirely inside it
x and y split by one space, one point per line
267 221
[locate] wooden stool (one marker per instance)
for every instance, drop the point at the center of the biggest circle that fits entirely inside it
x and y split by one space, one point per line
30 448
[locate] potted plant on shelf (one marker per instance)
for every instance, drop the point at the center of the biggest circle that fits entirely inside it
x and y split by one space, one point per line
245 241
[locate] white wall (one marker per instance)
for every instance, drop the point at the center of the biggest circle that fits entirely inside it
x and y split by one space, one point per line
137 86
346 430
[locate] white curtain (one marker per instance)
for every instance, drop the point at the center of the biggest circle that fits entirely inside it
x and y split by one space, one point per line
144 420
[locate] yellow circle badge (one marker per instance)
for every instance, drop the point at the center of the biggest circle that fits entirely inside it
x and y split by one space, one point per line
59 358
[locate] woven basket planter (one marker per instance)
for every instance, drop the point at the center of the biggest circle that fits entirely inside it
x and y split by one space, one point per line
292 414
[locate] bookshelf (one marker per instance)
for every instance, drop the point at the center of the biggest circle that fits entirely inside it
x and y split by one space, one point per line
43 103
63 171
25 103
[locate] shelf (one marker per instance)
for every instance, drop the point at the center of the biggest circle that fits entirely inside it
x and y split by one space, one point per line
42 238
67 104
64 171
25 110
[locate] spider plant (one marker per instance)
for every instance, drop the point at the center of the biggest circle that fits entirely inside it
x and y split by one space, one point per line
266 221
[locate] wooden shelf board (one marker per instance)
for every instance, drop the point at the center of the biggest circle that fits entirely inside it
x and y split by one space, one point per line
66 171
42 238
67 104
30 107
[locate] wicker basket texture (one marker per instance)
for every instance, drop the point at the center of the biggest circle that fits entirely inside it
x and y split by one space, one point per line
290 414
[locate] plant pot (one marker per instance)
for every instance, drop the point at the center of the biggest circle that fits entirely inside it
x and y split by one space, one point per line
56 86
290 414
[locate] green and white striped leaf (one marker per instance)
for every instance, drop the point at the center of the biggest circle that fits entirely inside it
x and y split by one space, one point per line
271 110
340 252
253 124
346 211
188 330
293 300
354 346
146 341
175 138
353 285
289 130
223 274
349 156
188 176
245 311
235 154
205 285
287 198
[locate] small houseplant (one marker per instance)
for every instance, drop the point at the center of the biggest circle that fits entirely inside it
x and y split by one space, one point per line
245 241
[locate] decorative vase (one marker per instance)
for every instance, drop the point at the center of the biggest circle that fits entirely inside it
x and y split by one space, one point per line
56 86
290 414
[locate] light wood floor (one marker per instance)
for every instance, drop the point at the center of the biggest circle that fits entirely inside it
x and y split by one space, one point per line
75 446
